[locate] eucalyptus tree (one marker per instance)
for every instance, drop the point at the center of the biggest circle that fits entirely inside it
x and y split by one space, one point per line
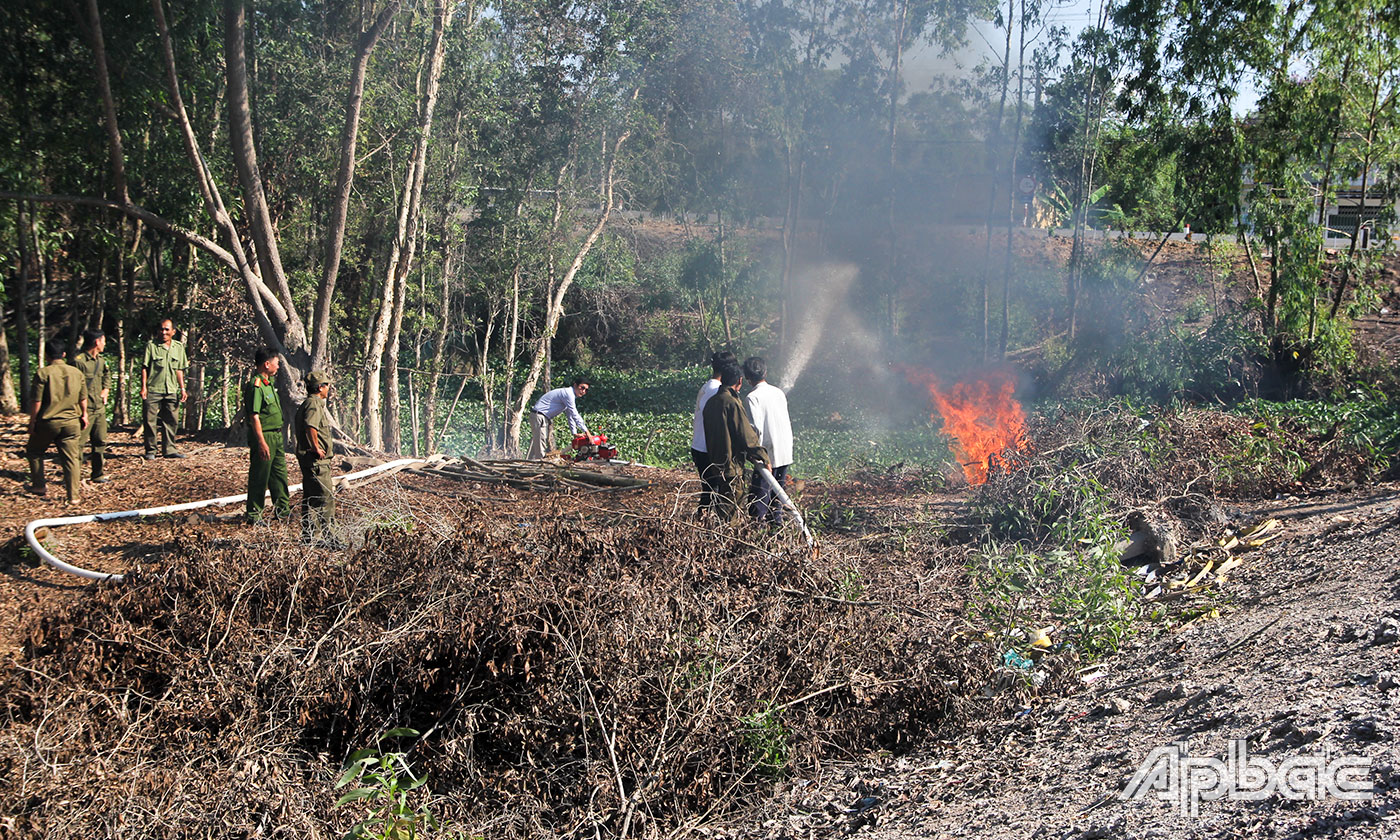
279 92
569 92
388 325
792 43
876 36
1314 114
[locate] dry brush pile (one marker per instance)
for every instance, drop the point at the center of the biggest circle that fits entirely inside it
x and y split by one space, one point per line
602 674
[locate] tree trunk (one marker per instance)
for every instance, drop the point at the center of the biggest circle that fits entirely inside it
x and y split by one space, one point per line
277 326
1360 211
1083 185
43 265
225 388
724 285
289 329
439 354
892 283
9 401
389 325
22 302
413 416
194 406
487 378
511 349
122 412
554 307
984 287
1012 186
345 175
794 171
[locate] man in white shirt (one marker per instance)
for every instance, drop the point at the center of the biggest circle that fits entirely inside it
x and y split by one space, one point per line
718 360
551 405
768 409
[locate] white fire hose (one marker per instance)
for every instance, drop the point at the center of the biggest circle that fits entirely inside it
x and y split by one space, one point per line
47 557
783 497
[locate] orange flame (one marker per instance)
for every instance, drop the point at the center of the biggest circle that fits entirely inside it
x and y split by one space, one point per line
982 417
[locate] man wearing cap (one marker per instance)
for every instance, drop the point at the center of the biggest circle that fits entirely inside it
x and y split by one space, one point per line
98 376
58 416
314 448
267 459
162 388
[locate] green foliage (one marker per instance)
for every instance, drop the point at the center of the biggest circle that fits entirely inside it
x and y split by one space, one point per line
1184 360
1365 420
1077 584
383 782
1081 589
767 740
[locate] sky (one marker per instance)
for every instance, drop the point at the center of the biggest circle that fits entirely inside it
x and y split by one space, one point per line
985 44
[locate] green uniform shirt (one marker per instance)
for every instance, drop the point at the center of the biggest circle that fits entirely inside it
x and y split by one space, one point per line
313 415
96 373
160 364
260 398
60 390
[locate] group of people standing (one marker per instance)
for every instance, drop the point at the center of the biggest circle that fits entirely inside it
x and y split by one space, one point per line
267 459
727 432
68 409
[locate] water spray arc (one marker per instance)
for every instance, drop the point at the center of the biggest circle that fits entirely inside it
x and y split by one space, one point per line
825 286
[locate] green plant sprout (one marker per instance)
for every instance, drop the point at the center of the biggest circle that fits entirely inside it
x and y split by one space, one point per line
383 782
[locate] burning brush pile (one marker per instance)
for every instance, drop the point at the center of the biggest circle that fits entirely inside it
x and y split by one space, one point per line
982 418
571 674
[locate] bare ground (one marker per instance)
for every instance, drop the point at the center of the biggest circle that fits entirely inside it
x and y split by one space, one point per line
1301 660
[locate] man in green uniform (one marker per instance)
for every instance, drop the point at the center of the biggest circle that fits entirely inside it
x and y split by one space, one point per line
98 376
58 415
163 389
314 448
730 438
267 460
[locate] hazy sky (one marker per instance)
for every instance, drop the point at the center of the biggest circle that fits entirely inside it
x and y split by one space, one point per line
985 44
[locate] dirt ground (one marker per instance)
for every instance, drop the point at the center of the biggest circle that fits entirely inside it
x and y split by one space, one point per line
1302 660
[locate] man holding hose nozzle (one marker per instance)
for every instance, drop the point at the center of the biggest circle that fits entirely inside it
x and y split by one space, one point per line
730 439
718 360
768 409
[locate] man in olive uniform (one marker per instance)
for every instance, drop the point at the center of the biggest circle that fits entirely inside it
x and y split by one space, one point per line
730 438
58 415
98 376
163 389
267 459
314 447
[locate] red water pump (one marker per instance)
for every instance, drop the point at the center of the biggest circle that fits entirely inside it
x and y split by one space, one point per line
593 446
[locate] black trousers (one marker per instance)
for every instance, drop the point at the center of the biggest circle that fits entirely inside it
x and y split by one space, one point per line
763 502
701 462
